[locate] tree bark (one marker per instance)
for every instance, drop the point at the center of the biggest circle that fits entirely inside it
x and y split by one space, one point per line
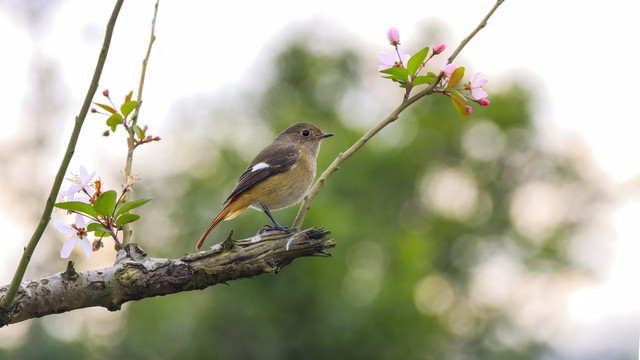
136 276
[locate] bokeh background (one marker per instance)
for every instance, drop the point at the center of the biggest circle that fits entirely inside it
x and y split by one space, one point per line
508 236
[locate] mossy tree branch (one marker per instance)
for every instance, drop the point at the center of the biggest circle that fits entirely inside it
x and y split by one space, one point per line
136 276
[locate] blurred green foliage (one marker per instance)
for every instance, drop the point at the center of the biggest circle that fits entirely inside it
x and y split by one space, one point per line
399 284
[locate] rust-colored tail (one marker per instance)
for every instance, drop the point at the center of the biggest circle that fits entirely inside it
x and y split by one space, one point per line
220 218
232 208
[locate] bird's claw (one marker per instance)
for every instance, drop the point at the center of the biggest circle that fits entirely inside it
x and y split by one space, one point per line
280 228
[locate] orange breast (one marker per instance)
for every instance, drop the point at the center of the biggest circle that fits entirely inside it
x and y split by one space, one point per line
284 189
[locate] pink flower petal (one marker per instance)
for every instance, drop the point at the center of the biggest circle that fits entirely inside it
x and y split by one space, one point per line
478 93
469 110
449 69
404 57
81 197
64 228
68 246
479 83
80 223
83 172
386 59
74 188
90 190
439 48
86 246
85 177
393 35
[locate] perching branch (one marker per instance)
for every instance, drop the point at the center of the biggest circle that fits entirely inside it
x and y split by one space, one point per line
136 276
9 295
126 232
306 203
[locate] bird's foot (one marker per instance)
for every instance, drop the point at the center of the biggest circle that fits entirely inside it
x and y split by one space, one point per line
280 228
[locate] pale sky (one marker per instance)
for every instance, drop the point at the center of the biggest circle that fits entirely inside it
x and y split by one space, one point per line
580 59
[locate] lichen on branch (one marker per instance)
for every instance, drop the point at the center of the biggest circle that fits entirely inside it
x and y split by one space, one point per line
136 276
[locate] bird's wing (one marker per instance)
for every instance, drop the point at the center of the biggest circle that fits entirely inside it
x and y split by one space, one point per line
266 164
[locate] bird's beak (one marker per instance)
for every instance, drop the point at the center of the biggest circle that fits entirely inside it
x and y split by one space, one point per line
326 135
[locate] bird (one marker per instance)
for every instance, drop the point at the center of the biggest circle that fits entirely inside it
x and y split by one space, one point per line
278 177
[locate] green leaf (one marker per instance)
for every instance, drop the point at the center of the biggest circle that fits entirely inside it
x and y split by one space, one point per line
416 61
419 80
128 97
397 73
459 105
106 203
129 205
77 206
97 227
101 234
113 121
107 107
128 107
456 77
139 132
456 93
126 218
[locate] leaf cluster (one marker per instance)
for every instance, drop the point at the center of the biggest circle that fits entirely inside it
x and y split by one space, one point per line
108 212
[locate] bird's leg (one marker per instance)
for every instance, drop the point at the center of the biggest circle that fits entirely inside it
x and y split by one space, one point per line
275 223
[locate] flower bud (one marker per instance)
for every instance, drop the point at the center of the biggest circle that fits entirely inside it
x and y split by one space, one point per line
97 245
93 110
105 92
469 110
439 48
394 36
484 102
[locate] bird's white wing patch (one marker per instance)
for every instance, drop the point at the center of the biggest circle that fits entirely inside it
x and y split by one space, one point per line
259 166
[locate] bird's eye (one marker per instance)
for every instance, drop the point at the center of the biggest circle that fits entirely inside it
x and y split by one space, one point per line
305 133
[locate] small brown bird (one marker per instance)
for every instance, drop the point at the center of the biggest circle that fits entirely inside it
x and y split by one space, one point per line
278 177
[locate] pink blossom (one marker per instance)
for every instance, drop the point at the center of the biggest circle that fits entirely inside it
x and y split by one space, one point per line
448 69
79 183
484 102
469 110
394 36
78 232
475 85
439 48
389 61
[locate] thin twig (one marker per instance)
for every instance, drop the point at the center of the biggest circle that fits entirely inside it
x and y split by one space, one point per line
134 119
483 23
306 203
7 300
345 155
